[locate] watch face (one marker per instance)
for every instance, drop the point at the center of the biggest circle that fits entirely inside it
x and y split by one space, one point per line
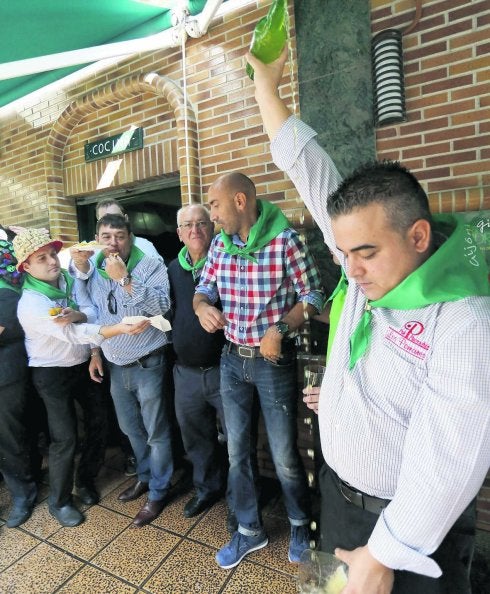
282 327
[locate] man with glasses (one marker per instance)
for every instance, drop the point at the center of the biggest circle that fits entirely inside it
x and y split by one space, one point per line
126 282
196 371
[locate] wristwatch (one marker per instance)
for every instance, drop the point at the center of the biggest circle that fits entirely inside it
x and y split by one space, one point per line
282 328
125 280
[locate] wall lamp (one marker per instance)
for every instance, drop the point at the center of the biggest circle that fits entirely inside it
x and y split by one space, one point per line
388 85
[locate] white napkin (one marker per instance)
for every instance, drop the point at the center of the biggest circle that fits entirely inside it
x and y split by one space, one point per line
158 322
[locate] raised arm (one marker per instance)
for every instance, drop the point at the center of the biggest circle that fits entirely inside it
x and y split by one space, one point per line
267 79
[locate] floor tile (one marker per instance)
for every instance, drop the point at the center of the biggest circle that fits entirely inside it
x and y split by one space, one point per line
91 580
211 529
25 577
172 517
189 568
275 554
136 553
41 523
101 526
14 544
249 578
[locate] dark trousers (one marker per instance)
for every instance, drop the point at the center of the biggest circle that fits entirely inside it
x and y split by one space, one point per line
59 387
197 406
347 526
15 463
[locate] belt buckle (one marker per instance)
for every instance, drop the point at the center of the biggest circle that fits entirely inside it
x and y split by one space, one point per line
246 351
352 496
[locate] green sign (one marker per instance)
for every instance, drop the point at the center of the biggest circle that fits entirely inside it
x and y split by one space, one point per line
114 145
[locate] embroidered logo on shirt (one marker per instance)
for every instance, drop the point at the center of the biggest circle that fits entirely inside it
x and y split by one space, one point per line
405 339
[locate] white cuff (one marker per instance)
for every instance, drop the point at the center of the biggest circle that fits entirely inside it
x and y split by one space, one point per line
384 547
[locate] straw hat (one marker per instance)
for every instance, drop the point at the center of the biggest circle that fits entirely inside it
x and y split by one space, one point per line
29 241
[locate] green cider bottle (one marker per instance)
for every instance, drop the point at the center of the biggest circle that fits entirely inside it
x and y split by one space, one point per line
270 35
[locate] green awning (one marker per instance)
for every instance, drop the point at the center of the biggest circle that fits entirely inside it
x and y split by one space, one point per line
33 28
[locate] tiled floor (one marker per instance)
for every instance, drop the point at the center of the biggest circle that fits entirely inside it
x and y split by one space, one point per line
173 555
106 555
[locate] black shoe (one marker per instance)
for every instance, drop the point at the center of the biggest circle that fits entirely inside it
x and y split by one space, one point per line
68 515
134 491
231 522
19 515
87 495
197 505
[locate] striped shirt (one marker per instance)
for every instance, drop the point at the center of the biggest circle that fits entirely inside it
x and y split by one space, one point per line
51 345
255 295
149 297
411 421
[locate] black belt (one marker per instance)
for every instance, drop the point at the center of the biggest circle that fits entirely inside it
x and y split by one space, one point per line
371 504
248 352
251 352
145 357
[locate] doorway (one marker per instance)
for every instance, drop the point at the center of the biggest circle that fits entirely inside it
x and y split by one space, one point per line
152 214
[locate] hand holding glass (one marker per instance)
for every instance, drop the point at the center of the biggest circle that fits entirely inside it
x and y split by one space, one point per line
313 376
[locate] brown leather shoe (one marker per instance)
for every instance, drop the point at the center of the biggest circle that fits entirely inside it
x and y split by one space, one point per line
148 512
133 492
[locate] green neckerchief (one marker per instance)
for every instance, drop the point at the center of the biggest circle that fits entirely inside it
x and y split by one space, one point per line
5 285
455 270
135 257
186 265
337 298
270 223
51 292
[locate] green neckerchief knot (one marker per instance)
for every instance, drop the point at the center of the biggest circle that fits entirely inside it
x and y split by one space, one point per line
270 223
51 292
135 257
455 270
184 261
337 298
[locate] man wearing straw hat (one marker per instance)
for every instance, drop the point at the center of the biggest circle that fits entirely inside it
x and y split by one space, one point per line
57 317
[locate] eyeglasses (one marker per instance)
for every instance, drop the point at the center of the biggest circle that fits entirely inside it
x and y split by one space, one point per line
111 303
197 225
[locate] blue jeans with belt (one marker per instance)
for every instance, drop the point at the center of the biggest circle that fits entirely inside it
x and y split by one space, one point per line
278 393
142 415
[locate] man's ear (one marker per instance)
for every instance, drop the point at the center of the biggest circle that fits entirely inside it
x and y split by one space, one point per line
26 266
240 200
421 235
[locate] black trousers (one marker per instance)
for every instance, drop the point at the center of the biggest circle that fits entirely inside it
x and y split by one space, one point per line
59 388
347 526
15 463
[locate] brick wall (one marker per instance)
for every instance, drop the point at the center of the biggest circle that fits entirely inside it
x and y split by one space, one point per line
447 79
42 166
446 139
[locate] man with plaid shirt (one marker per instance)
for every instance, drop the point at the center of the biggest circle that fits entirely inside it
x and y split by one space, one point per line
268 285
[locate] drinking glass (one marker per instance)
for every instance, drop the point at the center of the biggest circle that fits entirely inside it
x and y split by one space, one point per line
321 573
313 375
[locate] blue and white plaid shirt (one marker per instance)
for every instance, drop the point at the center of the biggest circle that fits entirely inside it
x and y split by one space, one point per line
150 296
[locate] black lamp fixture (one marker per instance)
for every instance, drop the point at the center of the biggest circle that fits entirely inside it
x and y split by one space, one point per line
388 85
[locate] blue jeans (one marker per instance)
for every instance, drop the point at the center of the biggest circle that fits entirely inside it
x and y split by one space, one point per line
197 404
142 415
277 390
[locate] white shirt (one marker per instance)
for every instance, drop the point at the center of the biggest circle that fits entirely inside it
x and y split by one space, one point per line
411 421
51 345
